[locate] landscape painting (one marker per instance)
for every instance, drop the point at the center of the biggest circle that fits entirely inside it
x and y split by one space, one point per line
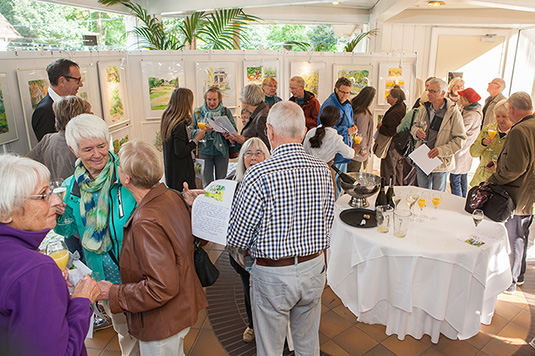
313 74
360 76
112 89
256 71
159 81
218 74
8 130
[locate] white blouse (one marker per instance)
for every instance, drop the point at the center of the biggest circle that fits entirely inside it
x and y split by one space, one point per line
331 144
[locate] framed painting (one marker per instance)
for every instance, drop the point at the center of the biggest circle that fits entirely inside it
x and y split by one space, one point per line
360 76
313 74
218 74
254 72
151 134
33 87
8 129
391 74
159 80
112 91
90 90
120 137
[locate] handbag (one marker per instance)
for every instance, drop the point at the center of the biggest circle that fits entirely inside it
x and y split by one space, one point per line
381 145
403 142
495 202
233 152
206 271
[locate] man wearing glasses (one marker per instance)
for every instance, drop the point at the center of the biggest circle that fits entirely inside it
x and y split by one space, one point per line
65 79
495 88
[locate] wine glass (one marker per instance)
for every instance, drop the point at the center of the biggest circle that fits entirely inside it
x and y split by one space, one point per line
436 199
59 253
201 122
422 202
56 186
423 125
396 199
477 216
411 199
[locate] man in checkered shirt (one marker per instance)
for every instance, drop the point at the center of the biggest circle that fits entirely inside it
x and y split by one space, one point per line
283 212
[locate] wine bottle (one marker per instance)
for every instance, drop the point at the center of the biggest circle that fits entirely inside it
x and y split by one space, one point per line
390 193
381 197
346 178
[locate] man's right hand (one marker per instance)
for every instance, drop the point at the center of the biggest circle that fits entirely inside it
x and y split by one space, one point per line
421 134
86 288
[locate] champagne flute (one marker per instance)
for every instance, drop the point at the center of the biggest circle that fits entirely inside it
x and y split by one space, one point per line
492 133
59 253
477 216
201 123
56 186
396 199
422 202
436 199
423 126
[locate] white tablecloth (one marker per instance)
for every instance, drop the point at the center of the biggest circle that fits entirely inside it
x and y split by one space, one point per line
429 282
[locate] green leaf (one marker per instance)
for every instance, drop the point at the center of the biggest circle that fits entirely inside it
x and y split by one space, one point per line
301 45
351 45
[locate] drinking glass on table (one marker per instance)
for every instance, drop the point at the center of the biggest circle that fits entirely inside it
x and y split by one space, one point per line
436 199
59 253
397 199
477 216
384 216
422 202
402 219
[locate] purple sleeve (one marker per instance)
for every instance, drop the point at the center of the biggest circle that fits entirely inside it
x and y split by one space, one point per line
44 318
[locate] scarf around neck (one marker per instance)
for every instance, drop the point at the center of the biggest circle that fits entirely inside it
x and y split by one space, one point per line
94 206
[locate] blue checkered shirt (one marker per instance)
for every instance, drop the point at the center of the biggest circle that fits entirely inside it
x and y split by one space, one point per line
284 206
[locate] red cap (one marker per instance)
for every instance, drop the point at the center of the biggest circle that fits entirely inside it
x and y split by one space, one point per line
470 94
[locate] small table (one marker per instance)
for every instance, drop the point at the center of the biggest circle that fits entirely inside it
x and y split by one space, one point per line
429 282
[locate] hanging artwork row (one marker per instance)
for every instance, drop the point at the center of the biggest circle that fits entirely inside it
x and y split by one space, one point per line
159 81
33 87
358 75
391 74
112 91
119 137
254 72
8 130
313 74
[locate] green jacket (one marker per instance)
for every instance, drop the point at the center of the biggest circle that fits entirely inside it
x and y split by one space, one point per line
215 144
486 153
121 206
405 124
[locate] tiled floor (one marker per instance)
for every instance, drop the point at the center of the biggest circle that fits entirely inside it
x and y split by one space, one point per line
342 335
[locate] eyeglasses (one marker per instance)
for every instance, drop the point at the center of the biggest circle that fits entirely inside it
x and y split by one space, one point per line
434 91
74 78
250 154
344 92
44 196
494 83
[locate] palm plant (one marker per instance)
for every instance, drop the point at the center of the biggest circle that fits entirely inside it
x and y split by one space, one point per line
351 45
219 29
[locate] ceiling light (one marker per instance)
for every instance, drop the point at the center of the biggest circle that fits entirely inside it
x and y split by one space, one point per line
336 2
436 3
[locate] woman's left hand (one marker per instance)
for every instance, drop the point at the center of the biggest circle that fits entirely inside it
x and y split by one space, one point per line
352 130
191 194
105 287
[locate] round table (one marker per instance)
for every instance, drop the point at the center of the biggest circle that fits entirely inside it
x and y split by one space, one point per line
429 282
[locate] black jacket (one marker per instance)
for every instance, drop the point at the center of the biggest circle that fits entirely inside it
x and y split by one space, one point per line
43 118
177 159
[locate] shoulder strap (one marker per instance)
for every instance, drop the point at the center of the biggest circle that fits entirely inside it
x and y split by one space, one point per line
413 115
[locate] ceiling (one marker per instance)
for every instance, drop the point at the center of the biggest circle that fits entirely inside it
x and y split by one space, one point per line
510 13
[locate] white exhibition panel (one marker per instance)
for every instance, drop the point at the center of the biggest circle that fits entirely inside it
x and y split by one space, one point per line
128 96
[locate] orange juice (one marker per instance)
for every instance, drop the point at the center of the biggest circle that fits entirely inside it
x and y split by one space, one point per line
436 201
60 257
492 133
421 203
201 125
358 140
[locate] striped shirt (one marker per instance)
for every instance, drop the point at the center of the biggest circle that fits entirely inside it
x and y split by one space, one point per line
284 206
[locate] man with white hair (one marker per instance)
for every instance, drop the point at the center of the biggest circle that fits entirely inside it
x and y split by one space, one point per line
439 125
283 212
495 88
515 172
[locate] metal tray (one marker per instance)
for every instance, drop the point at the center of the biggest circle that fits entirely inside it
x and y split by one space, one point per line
359 217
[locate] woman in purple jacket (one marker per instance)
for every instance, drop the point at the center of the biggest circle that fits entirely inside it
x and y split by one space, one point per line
38 316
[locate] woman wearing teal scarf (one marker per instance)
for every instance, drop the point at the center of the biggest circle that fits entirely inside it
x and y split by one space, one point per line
215 151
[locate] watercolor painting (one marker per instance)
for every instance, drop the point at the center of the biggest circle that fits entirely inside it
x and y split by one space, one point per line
90 90
313 74
221 75
112 89
256 71
360 76
120 137
38 90
391 74
32 89
159 81
151 134
8 130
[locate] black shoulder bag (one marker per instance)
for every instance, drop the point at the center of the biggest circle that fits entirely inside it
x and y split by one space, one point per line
403 141
495 202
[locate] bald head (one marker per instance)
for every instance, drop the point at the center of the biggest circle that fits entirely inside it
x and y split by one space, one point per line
496 86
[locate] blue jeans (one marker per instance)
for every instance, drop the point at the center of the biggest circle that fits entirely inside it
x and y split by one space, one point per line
459 184
435 181
291 293
220 163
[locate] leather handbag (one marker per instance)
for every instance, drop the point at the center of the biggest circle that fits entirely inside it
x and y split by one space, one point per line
206 271
403 141
495 202
233 152
381 145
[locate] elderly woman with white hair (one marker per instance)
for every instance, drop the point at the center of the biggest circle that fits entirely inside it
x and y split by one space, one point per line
252 98
38 316
98 207
160 291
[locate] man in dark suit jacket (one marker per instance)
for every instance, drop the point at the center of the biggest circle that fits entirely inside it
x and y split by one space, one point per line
65 79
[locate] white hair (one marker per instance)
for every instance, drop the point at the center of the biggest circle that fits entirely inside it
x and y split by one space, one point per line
521 101
442 86
253 142
252 94
85 126
20 177
287 120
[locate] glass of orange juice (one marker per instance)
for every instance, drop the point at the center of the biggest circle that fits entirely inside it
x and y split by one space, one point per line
59 253
358 139
492 133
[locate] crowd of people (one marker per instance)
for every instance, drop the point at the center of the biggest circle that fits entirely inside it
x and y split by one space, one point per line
135 232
